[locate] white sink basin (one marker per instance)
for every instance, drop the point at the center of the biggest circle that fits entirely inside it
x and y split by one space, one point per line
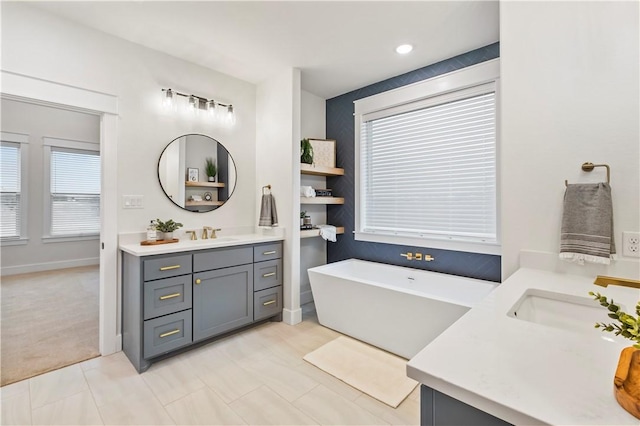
562 311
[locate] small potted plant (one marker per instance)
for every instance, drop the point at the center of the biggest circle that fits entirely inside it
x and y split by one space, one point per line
306 151
210 169
627 379
167 228
302 216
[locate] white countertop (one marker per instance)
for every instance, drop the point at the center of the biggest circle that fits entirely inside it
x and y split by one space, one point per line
134 247
524 372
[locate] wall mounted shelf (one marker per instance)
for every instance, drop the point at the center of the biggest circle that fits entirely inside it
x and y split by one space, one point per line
205 184
321 200
203 203
309 169
310 233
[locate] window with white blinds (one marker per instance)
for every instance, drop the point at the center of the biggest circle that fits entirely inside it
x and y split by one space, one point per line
10 187
427 168
74 200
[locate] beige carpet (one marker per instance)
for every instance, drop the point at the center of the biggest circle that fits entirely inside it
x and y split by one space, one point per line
49 320
373 371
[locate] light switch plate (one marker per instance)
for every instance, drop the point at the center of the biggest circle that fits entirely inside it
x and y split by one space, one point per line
132 201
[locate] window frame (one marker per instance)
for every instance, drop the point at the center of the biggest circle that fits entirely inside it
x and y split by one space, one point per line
415 96
22 140
49 143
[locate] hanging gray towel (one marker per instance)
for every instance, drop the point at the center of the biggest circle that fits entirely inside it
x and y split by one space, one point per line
268 213
587 224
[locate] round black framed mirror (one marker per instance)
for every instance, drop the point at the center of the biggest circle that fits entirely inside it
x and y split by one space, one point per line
197 173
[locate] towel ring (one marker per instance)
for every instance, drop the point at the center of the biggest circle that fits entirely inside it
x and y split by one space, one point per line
587 167
266 188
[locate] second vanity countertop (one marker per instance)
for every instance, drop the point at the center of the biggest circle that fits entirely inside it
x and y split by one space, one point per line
136 249
524 372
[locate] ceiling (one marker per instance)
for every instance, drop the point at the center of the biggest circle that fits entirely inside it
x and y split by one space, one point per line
339 46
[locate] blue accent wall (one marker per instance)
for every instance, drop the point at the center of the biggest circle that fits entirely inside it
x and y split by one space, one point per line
340 126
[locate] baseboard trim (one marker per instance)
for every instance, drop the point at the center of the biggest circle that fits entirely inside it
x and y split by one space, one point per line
48 266
306 297
292 317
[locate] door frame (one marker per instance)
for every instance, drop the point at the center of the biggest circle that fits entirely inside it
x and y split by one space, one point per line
48 93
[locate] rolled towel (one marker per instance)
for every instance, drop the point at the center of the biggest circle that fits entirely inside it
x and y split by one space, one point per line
328 232
307 191
587 224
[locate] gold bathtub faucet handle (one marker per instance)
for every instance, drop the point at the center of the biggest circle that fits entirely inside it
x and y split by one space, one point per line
604 281
428 258
409 255
418 256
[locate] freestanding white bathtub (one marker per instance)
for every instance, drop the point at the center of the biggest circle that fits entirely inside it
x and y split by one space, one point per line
394 308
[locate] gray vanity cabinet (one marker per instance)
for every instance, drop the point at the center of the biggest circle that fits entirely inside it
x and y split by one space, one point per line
172 301
222 300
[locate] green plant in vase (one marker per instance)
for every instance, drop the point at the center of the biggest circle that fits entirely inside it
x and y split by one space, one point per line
628 326
306 150
210 169
167 228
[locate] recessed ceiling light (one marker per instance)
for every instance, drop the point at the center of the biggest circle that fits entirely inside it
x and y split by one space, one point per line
403 49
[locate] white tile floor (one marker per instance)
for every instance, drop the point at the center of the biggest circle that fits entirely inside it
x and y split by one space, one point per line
254 377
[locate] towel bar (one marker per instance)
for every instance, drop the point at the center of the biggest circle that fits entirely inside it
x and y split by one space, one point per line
587 167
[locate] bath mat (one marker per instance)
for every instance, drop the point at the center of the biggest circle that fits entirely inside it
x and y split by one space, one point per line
373 371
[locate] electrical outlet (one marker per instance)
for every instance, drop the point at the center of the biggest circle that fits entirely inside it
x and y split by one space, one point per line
631 244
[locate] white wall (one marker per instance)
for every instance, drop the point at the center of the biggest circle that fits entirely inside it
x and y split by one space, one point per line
39 122
313 251
278 133
570 94
51 48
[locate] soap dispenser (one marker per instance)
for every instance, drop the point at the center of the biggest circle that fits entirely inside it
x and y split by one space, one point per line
152 233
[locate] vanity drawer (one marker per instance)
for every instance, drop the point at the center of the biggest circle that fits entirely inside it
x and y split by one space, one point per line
267 303
166 266
167 333
166 296
267 252
267 274
222 258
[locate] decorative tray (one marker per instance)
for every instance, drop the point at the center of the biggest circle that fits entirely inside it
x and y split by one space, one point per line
155 243
626 383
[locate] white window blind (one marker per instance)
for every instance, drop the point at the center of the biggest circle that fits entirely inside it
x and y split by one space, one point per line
430 171
10 218
75 192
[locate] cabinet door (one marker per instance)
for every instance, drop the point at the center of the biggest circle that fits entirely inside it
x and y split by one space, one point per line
222 300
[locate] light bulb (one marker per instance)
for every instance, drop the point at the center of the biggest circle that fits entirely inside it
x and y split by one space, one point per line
167 99
403 49
211 107
193 103
231 117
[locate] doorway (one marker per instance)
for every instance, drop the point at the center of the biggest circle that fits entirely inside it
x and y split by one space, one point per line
34 90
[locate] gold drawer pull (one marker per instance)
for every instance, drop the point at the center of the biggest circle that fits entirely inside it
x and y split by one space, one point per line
198 280
168 268
270 302
170 333
169 296
270 274
264 253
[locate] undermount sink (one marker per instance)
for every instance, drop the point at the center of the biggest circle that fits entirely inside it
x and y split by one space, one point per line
558 310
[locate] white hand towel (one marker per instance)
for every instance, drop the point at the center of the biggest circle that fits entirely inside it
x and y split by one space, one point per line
328 232
307 191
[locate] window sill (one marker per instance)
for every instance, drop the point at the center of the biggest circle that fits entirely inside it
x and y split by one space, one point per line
14 242
48 239
444 244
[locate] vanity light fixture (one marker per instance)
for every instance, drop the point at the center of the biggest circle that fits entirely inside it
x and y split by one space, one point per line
217 110
403 49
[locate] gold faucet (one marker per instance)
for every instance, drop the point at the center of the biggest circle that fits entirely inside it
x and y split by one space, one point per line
603 281
204 232
193 234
